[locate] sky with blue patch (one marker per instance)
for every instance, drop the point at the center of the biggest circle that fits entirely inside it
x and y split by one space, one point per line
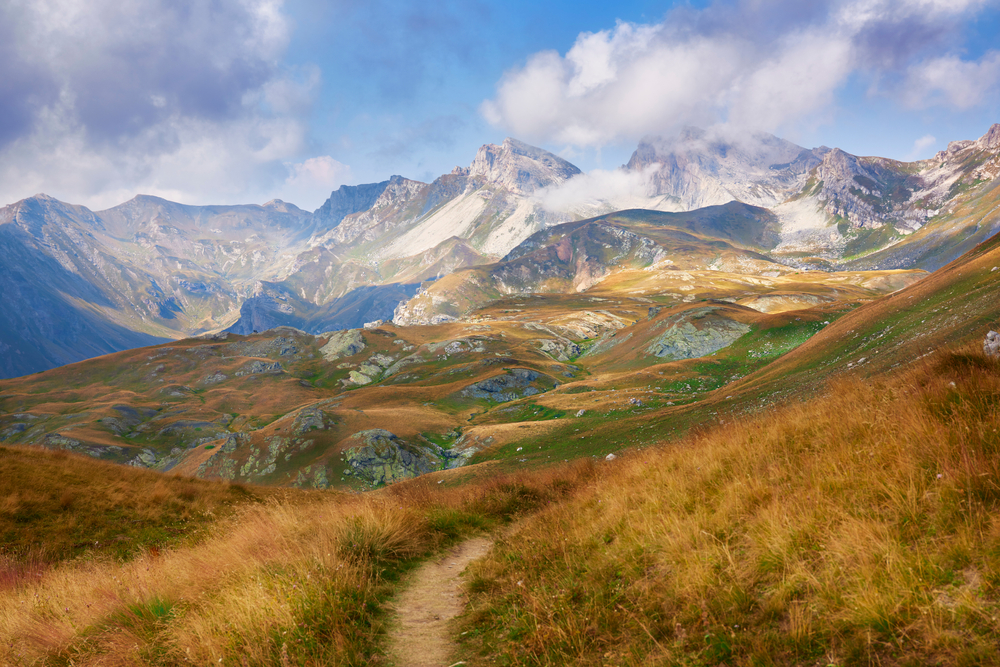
242 101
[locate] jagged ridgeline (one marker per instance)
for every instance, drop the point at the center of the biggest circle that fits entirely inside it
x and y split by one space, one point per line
78 283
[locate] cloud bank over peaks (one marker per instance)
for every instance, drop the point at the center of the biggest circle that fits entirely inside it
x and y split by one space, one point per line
597 191
765 65
100 99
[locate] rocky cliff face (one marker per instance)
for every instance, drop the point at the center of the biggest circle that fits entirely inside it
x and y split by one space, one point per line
348 199
487 205
388 210
867 192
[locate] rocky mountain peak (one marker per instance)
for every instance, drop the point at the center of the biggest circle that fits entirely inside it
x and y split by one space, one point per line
990 140
698 168
518 167
281 206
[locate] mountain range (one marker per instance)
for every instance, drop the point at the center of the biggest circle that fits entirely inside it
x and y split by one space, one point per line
79 283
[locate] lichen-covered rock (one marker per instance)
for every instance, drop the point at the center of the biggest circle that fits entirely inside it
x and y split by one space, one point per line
214 378
257 367
695 333
370 370
560 349
514 384
379 457
342 344
381 360
146 458
359 378
309 419
991 346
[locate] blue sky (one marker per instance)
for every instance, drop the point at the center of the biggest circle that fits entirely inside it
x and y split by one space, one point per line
241 101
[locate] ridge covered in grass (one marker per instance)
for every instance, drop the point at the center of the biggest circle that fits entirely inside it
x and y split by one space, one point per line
857 528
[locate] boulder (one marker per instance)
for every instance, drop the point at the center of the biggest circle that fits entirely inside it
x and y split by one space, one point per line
342 344
991 346
258 367
514 384
380 457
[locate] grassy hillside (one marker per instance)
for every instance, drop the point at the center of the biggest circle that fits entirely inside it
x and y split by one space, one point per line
57 505
300 580
857 528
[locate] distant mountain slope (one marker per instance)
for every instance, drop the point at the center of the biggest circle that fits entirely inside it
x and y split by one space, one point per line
833 206
151 269
574 256
488 204
110 279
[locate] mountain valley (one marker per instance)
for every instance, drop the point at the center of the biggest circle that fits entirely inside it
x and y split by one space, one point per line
752 432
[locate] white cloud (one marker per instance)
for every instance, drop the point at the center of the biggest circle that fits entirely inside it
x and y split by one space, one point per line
951 81
765 65
614 85
921 145
183 100
312 181
798 81
615 189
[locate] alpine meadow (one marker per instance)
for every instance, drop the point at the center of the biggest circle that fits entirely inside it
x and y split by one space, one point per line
734 402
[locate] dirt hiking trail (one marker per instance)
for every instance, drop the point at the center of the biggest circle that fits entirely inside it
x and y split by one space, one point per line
420 635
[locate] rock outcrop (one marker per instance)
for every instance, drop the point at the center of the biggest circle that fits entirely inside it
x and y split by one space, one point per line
378 457
991 346
694 333
515 383
342 344
348 199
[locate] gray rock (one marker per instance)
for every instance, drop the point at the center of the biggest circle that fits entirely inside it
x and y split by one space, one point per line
342 344
560 349
514 384
991 346
309 419
146 458
695 333
360 378
380 457
258 367
13 429
214 378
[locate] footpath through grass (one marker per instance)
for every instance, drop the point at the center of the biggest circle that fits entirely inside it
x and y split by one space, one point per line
302 580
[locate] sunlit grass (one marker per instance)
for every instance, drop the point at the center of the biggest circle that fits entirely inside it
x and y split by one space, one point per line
297 581
858 528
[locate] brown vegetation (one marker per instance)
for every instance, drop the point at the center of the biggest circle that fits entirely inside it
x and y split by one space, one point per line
300 580
858 528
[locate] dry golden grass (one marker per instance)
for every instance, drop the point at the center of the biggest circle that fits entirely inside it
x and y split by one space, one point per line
858 528
56 505
300 581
